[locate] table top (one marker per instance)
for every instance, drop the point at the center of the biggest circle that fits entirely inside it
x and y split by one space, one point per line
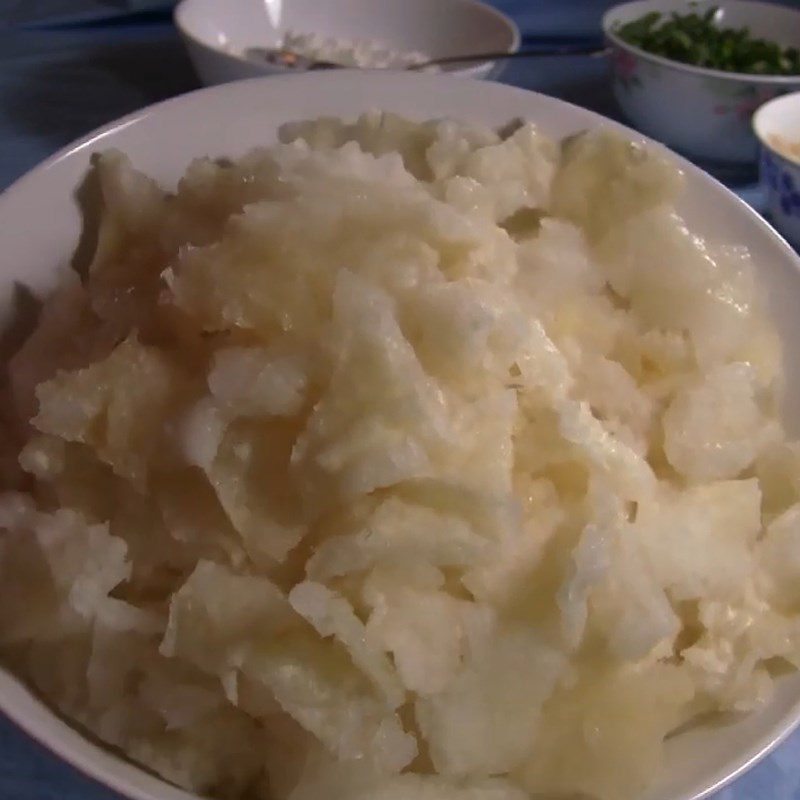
68 66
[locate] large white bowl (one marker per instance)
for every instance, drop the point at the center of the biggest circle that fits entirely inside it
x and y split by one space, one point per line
217 32
704 113
40 224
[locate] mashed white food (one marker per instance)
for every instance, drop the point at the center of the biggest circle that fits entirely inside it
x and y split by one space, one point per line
365 53
401 461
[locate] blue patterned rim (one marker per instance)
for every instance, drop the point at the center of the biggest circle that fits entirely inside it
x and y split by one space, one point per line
781 176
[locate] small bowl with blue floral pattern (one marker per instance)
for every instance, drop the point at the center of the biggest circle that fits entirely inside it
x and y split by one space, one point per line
702 113
777 127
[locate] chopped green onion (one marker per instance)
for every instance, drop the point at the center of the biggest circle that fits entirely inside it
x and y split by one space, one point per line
695 38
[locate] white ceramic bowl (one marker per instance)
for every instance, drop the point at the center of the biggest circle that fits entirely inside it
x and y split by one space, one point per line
780 175
703 113
217 32
40 224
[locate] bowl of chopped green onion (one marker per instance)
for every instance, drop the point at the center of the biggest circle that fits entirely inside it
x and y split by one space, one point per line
691 73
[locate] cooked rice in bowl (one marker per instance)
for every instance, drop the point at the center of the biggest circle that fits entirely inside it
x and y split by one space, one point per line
398 461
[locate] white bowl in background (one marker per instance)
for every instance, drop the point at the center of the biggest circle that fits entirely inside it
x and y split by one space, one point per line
217 32
704 113
40 224
780 174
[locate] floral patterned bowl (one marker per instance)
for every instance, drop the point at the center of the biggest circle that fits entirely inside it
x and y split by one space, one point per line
776 124
704 113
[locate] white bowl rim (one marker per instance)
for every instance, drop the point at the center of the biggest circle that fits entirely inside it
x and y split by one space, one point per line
761 134
760 750
94 770
680 66
87 768
180 12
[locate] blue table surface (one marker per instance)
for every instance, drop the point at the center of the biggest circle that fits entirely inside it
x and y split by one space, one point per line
68 66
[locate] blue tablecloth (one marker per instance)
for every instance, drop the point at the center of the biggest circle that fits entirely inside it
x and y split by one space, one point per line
67 66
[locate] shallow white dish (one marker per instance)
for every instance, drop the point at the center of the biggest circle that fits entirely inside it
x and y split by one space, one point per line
40 225
216 32
780 176
704 113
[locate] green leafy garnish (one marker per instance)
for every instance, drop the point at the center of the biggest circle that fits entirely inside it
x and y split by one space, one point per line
696 39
